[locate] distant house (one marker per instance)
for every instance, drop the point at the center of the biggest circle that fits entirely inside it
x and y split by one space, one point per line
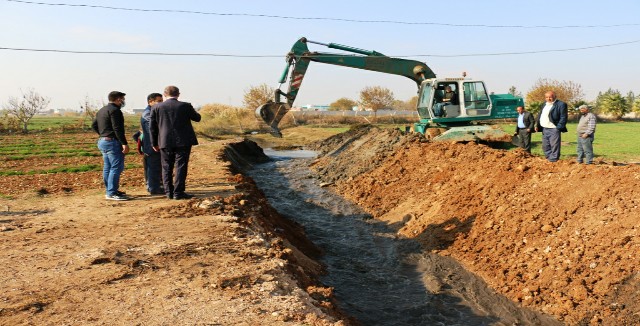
137 111
312 107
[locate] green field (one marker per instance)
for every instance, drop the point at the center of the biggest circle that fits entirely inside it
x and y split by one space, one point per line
73 124
50 141
613 141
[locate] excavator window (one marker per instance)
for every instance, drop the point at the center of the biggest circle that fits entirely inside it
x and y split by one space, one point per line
476 100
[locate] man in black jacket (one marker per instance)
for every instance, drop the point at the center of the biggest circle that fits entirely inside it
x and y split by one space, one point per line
172 135
552 121
109 124
525 126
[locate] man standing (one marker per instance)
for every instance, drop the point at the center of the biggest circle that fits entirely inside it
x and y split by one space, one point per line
586 130
152 163
524 128
552 121
172 135
109 124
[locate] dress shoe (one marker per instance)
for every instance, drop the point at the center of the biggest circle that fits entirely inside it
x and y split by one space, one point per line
169 196
183 195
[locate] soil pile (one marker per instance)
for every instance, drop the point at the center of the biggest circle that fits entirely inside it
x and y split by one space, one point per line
560 238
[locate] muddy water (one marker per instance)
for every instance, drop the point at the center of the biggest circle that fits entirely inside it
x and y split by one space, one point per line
379 278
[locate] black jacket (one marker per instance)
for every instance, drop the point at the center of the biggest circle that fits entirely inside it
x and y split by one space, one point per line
529 122
170 124
109 122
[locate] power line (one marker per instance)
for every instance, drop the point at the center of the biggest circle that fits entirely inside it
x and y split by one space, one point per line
323 54
398 22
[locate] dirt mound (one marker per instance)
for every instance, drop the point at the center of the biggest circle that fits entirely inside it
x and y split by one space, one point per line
561 238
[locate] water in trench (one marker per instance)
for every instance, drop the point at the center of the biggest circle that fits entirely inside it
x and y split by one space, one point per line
378 277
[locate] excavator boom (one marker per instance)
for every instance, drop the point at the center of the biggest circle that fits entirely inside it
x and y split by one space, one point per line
298 60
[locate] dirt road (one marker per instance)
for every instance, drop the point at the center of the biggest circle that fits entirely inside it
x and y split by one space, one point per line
70 257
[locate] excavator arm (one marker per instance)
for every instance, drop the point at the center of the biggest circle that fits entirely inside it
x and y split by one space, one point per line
298 60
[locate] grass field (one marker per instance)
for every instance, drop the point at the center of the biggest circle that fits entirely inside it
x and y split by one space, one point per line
613 141
53 148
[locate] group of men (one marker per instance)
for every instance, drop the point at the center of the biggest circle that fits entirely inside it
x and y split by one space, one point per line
552 122
167 137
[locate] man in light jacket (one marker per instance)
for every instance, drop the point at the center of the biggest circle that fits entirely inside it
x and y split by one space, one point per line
586 131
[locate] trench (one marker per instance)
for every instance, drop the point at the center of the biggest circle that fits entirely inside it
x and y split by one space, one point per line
378 277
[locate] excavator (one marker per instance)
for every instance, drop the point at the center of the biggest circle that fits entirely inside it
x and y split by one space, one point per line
449 109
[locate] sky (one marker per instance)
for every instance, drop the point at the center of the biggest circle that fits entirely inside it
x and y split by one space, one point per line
504 43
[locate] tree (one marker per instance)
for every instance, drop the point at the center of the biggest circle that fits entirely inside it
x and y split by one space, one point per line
566 91
375 98
408 105
257 96
631 99
513 91
342 104
636 106
89 109
613 102
26 107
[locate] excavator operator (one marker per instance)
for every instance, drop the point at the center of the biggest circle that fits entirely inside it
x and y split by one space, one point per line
449 98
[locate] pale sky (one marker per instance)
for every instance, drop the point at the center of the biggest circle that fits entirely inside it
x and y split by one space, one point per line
427 31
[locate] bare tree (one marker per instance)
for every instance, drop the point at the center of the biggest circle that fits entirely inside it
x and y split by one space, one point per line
375 98
26 107
257 96
89 109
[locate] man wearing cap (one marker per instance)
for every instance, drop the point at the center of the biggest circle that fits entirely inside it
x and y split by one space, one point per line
109 124
586 130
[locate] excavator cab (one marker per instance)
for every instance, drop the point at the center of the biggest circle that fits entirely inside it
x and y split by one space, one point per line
467 99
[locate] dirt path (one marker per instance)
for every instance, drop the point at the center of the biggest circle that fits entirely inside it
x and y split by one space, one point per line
75 258
559 238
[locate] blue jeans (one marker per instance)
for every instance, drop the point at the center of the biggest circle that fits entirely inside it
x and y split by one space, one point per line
551 138
585 149
113 164
438 109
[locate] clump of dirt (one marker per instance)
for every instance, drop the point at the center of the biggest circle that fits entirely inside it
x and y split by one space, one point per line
561 238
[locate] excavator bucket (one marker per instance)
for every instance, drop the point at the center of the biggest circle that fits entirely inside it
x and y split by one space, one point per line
271 113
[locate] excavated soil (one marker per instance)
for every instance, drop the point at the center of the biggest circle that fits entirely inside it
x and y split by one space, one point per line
560 238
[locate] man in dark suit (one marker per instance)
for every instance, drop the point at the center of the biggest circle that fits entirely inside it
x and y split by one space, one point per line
552 121
172 135
525 126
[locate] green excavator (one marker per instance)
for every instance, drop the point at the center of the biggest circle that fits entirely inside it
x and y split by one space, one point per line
449 108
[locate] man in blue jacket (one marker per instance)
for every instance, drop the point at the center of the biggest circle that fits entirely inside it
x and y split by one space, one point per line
552 120
152 164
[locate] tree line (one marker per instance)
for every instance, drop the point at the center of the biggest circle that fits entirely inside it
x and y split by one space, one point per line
18 111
